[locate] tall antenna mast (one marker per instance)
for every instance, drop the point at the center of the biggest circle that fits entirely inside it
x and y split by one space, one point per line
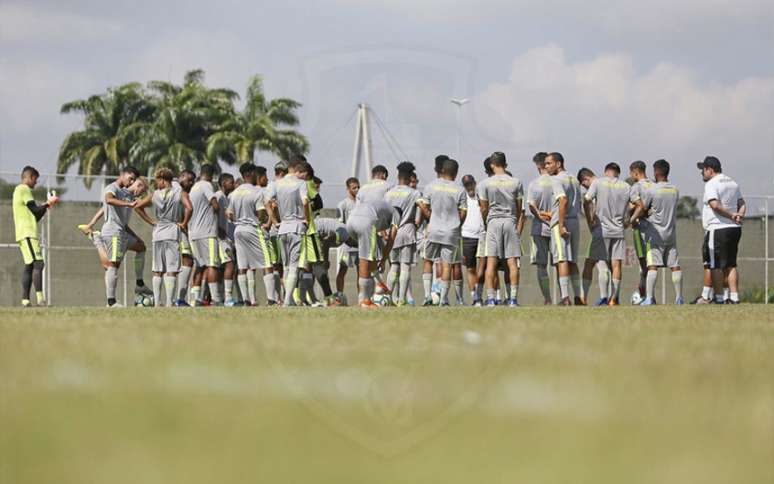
362 146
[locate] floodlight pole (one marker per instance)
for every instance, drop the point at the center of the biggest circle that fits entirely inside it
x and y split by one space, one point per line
362 141
459 103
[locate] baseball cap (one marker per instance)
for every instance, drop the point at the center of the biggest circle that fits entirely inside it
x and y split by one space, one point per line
709 162
468 179
281 165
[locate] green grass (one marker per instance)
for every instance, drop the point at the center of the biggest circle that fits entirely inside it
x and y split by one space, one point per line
663 395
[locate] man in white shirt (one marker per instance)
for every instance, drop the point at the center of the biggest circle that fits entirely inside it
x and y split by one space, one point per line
472 230
722 214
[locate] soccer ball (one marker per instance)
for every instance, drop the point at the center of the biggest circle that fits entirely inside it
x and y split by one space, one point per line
382 300
143 301
636 298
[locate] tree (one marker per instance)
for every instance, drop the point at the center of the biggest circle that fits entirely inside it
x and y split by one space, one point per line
112 123
262 125
688 207
186 117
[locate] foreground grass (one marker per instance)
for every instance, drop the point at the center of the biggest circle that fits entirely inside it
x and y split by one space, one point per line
666 395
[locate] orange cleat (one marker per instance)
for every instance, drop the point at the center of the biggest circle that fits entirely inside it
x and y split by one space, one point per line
613 302
368 304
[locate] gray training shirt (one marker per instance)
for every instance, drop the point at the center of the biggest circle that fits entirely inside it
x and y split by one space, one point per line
290 193
166 204
611 200
116 218
565 185
379 213
373 191
502 192
345 208
224 223
445 199
332 232
204 220
540 193
404 199
661 201
244 202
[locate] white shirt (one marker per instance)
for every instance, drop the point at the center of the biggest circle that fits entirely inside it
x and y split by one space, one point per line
726 191
474 224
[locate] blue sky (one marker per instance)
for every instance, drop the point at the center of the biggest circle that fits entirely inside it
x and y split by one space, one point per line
600 80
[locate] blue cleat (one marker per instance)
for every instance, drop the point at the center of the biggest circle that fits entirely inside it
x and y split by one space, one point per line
603 301
648 302
513 303
679 301
180 303
490 303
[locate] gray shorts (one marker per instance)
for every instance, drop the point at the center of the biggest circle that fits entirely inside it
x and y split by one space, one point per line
185 245
346 255
226 250
615 249
597 248
664 255
450 254
166 256
206 252
502 241
404 255
252 248
565 249
290 249
369 244
541 250
481 249
114 246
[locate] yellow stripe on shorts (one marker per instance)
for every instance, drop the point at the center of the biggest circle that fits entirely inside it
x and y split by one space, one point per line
211 247
372 249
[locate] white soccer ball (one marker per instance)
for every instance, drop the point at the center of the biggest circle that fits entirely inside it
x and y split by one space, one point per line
143 301
382 300
436 297
636 298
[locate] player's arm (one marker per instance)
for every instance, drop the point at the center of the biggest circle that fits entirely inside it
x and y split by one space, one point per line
521 220
563 215
483 205
424 207
185 199
90 226
139 209
588 212
39 210
719 209
639 211
111 199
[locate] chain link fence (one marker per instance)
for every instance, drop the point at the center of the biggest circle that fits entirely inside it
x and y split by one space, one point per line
74 277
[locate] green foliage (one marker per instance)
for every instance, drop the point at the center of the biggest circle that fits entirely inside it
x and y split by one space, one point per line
688 207
757 295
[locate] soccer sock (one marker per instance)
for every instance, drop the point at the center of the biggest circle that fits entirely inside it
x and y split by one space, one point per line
37 278
307 288
726 294
139 266
366 288
603 279
409 292
458 291
392 277
617 289
544 283
111 279
706 293
479 291
157 282
575 280
196 293
445 285
498 296
291 276
564 286
507 291
268 283
228 289
427 283
182 282
404 281
214 291
514 292
490 293
650 284
677 281
250 278
242 282
26 282
734 296
39 296
586 285
169 289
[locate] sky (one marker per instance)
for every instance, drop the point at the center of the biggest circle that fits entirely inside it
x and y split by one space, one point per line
599 81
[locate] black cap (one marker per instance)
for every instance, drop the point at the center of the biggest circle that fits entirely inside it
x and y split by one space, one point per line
709 162
468 179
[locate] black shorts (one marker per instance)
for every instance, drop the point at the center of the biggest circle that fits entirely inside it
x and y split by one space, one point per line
721 247
469 249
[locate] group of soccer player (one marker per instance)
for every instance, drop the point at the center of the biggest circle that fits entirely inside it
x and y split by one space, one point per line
210 242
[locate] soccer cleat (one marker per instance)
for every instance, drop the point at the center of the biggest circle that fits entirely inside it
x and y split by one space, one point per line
730 301
701 300
601 302
648 301
679 301
199 304
230 303
368 304
400 304
548 302
26 303
333 302
42 304
144 290
490 303
268 303
512 303
411 303
428 302
317 304
477 303
445 304
498 302
579 301
565 302
180 303
612 302
115 305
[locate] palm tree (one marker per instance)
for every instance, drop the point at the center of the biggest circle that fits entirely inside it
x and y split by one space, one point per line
262 125
112 124
186 117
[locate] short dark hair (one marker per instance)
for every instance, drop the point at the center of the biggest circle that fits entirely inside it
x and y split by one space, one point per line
187 172
296 160
352 180
439 160
247 169
130 169
450 168
540 158
584 173
498 159
557 157
303 166
317 180
280 167
405 169
661 167
638 166
164 174
30 171
379 169
207 169
614 167
260 171
488 166
224 177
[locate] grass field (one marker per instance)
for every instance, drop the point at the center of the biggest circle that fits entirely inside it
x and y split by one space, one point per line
535 395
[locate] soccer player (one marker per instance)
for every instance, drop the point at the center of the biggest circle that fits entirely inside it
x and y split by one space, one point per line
226 238
641 183
118 203
597 253
280 171
376 187
186 180
404 199
247 210
167 201
610 197
203 234
346 255
290 204
472 231
332 233
539 201
659 203
26 214
500 199
365 223
565 229
312 247
722 216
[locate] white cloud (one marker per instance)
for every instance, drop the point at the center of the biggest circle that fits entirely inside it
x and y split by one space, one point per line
604 110
23 23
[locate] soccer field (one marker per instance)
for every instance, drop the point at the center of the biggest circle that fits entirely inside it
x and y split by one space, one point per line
609 395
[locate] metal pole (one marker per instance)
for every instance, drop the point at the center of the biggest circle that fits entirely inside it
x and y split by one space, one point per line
366 140
459 130
47 267
126 301
356 148
663 285
766 252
